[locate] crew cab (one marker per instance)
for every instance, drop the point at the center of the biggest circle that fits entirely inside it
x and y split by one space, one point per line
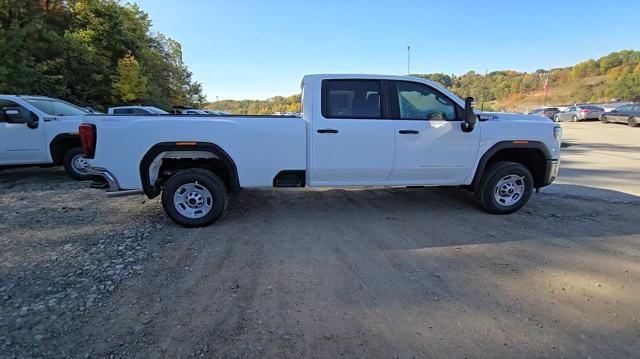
356 130
37 130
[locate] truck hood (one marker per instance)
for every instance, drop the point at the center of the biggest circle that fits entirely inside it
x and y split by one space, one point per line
507 116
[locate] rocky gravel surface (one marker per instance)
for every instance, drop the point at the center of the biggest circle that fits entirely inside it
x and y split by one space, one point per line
64 249
317 273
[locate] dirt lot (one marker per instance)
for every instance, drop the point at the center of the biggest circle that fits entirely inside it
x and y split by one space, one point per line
330 273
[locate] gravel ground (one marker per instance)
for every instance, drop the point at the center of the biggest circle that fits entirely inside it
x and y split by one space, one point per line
316 273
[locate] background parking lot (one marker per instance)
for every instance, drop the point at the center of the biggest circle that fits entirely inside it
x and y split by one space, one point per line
326 273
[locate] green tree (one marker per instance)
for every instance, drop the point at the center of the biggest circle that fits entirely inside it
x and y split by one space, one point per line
129 84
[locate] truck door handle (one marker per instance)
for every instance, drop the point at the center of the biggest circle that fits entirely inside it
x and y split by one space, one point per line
408 132
327 130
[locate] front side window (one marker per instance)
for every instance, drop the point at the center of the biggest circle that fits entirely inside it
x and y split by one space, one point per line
420 102
7 103
351 99
121 111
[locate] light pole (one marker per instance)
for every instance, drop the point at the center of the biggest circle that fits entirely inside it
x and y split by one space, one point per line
408 60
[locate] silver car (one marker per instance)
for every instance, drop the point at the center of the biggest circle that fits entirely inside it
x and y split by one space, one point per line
579 113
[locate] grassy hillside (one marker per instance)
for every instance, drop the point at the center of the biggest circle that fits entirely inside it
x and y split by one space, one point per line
591 88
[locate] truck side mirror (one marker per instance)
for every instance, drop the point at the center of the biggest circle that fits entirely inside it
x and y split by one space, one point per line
14 115
470 117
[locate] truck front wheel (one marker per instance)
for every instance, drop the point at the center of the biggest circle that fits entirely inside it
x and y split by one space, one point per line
75 163
194 197
505 187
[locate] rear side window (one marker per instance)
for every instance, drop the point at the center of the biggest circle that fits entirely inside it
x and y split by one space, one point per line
121 111
351 99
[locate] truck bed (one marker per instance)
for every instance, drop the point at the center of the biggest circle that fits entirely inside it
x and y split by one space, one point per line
261 146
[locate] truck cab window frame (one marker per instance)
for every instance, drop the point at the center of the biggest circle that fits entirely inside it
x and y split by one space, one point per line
353 99
455 113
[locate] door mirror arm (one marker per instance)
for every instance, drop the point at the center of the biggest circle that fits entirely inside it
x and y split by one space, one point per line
470 117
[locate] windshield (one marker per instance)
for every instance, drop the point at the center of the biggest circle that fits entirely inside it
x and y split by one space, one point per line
156 110
57 107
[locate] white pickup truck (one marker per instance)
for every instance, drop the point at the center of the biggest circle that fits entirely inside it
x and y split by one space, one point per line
37 130
356 130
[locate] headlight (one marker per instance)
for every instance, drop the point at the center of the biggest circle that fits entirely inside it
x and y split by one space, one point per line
557 133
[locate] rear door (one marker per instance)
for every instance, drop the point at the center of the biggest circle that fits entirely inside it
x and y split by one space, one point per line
431 147
351 141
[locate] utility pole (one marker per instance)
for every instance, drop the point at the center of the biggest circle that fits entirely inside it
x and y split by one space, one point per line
408 60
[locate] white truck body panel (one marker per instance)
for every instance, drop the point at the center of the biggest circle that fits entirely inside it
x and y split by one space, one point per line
267 145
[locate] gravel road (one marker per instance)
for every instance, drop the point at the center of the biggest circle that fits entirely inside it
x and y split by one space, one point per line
317 273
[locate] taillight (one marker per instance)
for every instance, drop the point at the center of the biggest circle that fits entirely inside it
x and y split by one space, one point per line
584 110
88 139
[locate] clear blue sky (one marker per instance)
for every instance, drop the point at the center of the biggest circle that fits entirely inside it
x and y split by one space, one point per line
257 49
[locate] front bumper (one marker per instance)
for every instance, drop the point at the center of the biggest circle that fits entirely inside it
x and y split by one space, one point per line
551 172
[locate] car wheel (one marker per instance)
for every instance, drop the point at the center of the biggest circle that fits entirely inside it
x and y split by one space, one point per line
603 119
505 187
194 197
574 118
556 119
75 163
633 122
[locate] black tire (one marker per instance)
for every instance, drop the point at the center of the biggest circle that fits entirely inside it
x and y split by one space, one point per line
574 118
490 180
556 119
73 170
633 122
603 119
198 178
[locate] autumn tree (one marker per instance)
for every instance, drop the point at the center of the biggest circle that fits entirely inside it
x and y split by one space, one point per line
129 84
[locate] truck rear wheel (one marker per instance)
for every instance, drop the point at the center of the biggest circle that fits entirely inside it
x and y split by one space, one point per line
75 163
505 187
194 197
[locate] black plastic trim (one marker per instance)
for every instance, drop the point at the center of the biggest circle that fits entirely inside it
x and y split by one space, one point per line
300 175
56 154
502 146
152 191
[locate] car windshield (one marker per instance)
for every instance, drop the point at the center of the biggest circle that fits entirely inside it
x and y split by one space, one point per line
156 110
57 107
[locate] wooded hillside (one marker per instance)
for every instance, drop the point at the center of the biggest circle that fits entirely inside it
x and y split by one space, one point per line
91 52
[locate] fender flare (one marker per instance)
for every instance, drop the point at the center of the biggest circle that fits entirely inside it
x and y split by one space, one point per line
503 145
151 190
56 154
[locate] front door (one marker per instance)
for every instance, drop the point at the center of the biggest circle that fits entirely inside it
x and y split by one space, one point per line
21 143
431 147
351 143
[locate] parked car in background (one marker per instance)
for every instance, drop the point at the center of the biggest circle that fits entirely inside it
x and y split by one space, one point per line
186 110
136 110
547 112
578 113
38 130
217 113
629 114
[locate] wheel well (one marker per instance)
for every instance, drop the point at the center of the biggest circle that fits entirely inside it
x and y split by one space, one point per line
170 166
532 158
165 159
61 144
